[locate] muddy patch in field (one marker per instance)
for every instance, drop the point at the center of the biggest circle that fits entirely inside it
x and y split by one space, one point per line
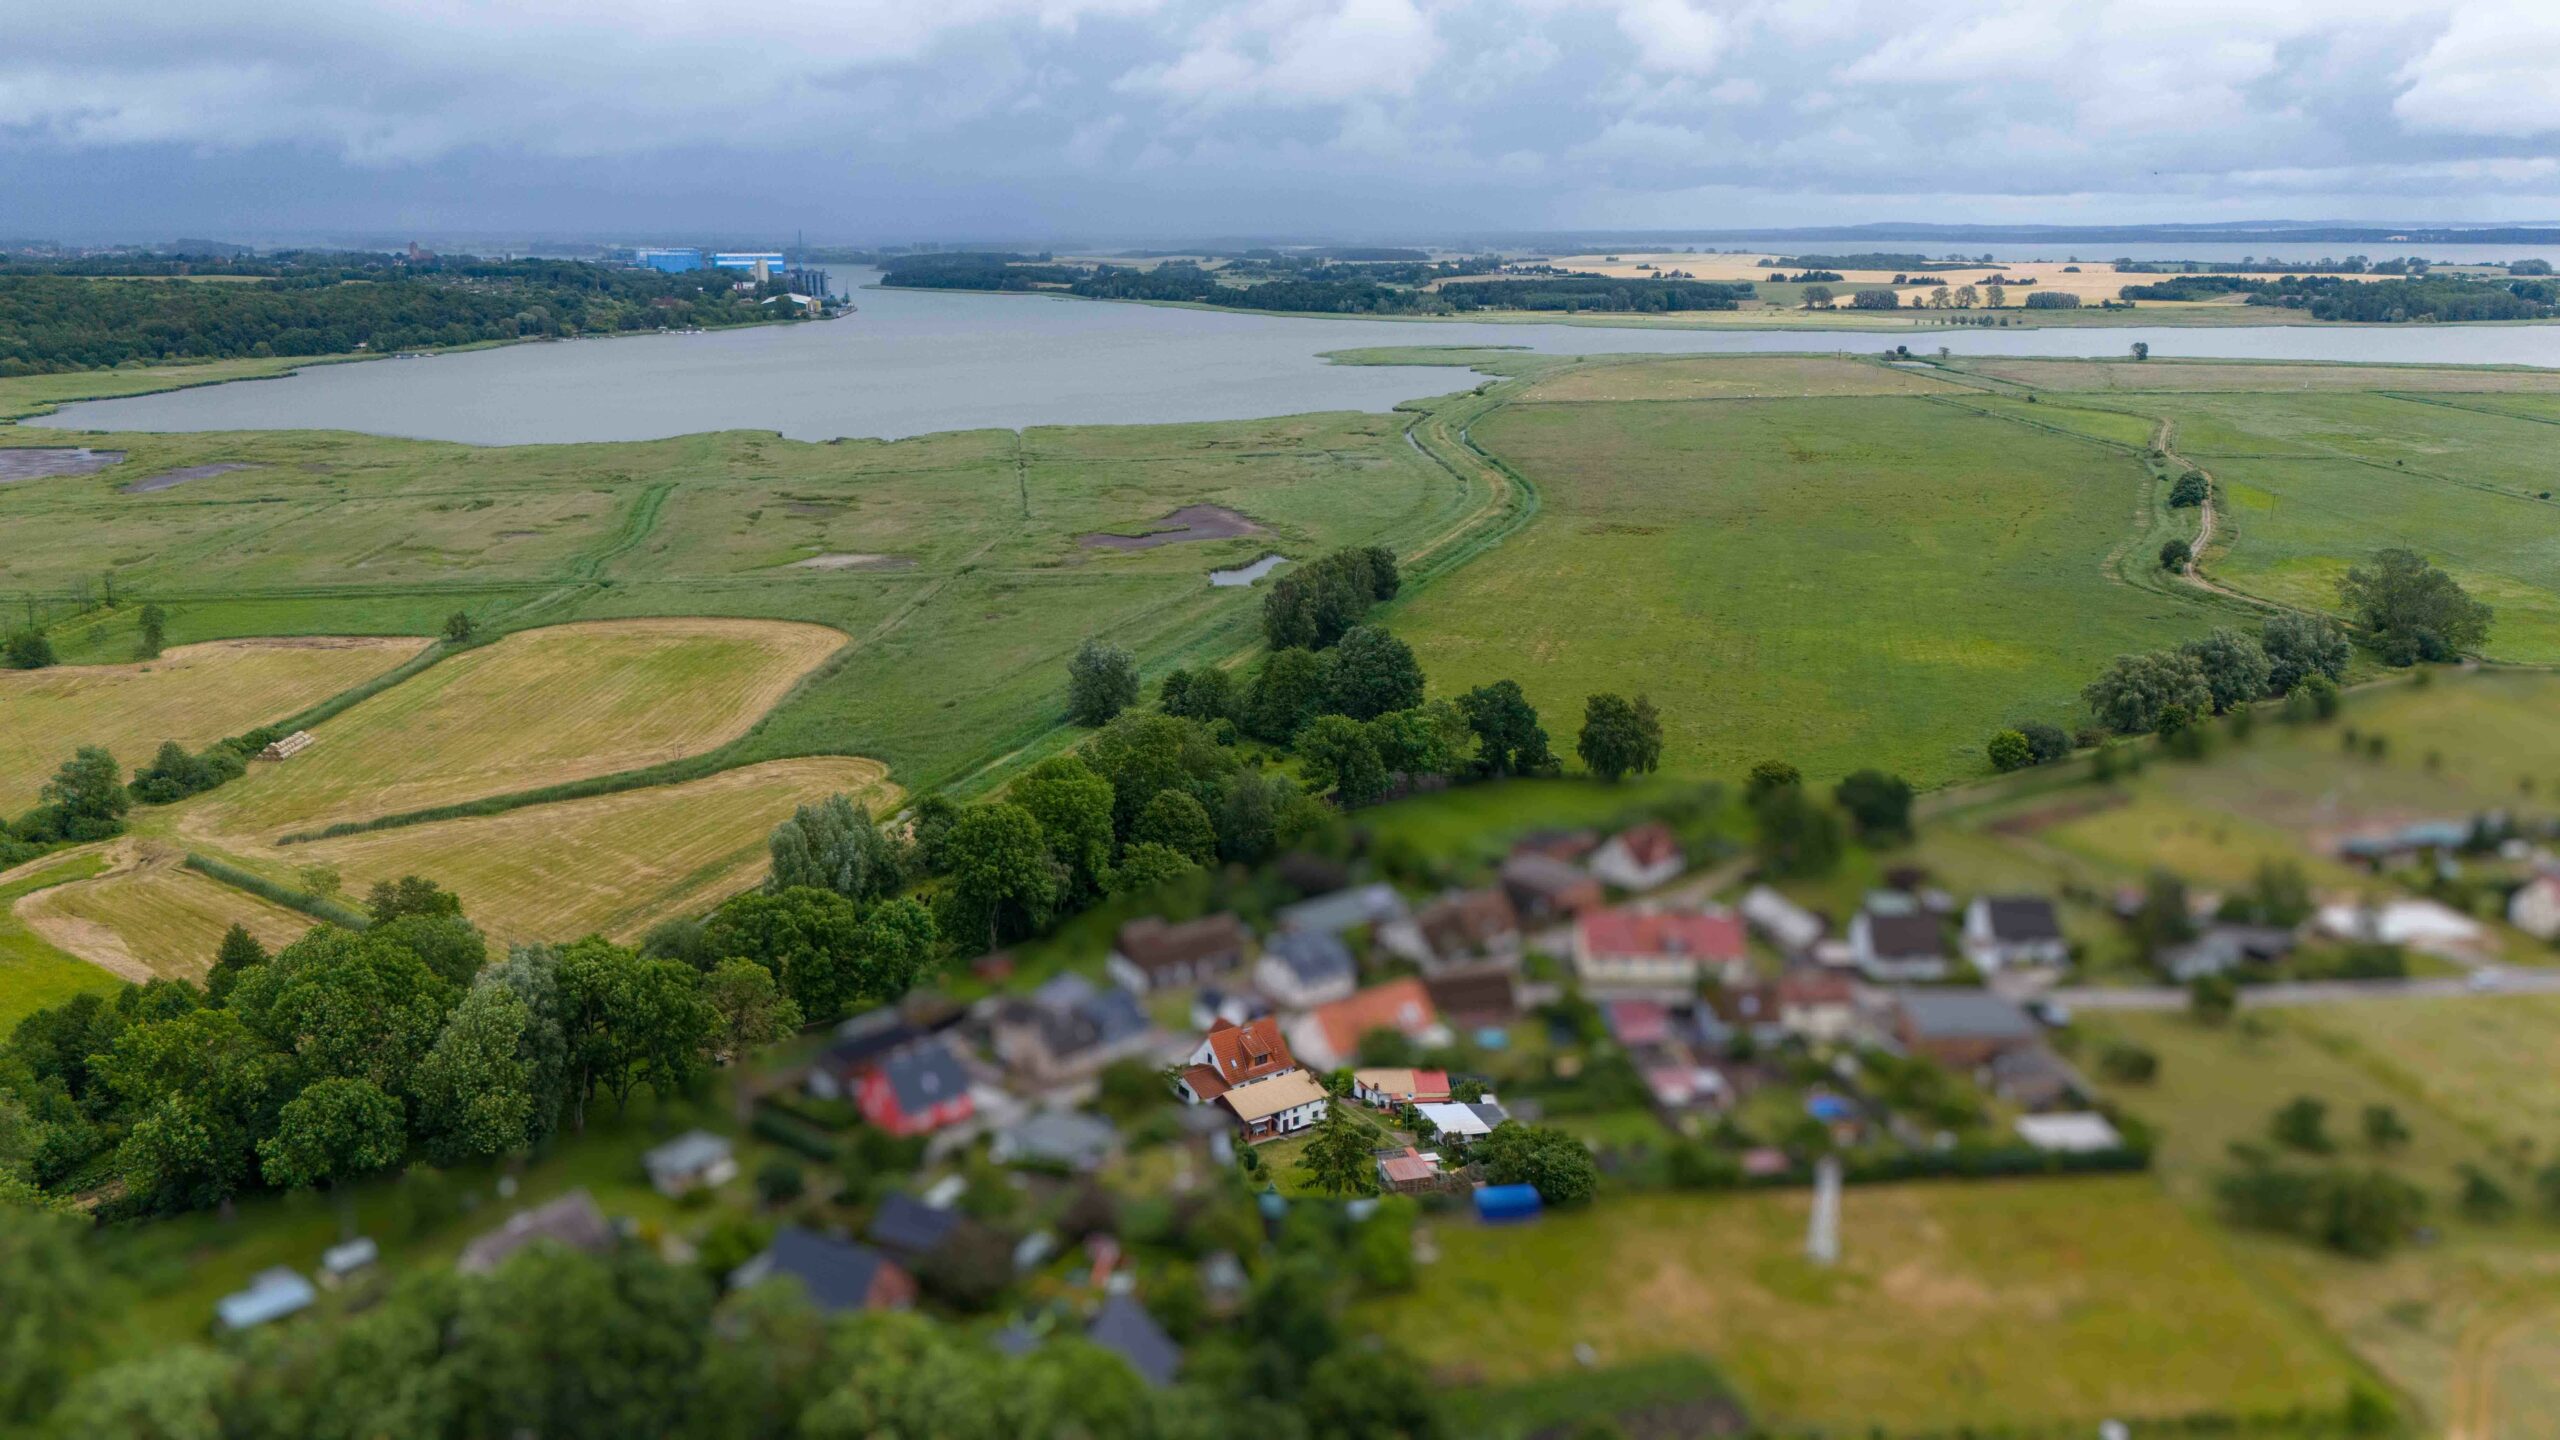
855 562
1191 522
170 479
22 463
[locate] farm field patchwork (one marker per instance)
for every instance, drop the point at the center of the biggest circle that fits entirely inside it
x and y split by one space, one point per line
153 918
536 708
611 864
1840 582
1954 1305
193 694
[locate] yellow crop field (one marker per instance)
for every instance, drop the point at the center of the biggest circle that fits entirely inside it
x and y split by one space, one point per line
153 918
537 708
193 694
610 864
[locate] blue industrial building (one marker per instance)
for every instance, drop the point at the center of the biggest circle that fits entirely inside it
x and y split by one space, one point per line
672 262
746 260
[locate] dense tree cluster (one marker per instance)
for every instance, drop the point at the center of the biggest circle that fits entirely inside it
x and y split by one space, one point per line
2370 302
1396 286
1313 605
340 305
2412 611
2213 674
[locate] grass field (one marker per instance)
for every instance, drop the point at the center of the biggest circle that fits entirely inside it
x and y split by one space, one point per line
537 708
611 864
1839 582
25 395
193 694
2461 1324
2254 376
1982 1305
2435 1049
33 974
153 918
1775 377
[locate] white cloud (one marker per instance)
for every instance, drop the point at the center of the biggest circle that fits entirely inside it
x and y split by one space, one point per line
2492 72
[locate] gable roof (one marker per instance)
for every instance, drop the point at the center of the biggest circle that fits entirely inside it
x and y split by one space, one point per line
1544 875
905 1223
1467 920
1075 1015
923 1076
1331 914
1806 985
866 1037
1241 1053
1622 930
1935 1014
1637 1022
1483 994
572 1220
1267 1097
1124 1328
1314 957
2019 919
838 1274
1153 944
1068 1137
1403 1006
1913 934
1649 844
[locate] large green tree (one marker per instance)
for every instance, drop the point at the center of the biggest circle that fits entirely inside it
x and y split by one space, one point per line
1559 1165
2135 690
1341 1156
344 1004
748 1008
2299 646
86 798
1102 681
1509 739
1003 882
2235 667
1369 673
629 1021
48 1308
834 845
337 1129
1338 755
2412 611
475 1088
1074 807
1177 821
1288 691
1619 737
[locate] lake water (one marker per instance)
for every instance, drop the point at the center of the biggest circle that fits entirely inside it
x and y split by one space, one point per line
912 362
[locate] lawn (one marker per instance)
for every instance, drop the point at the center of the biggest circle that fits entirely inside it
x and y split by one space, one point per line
193 694
33 974
611 864
2184 376
1482 820
2028 1303
537 708
1838 582
2488 1062
155 918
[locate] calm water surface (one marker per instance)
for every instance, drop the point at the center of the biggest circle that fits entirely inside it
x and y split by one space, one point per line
913 362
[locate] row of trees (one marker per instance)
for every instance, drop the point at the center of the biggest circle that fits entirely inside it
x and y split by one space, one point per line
2169 690
346 1051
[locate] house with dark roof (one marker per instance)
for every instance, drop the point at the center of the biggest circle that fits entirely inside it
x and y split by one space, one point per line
572 1220
2034 1078
1301 969
1465 928
1542 887
1639 858
1628 947
915 1090
1898 947
2014 932
1342 911
1067 1139
859 1043
1477 997
1069 1028
1752 1009
1155 954
840 1276
1961 1029
908 1227
1231 1055
1124 1328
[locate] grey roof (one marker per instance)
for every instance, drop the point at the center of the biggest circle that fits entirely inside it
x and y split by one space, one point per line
272 1295
572 1220
1065 1137
924 1076
1314 957
907 1224
1344 910
1126 1329
1894 936
1075 1015
690 1153
2020 919
865 1037
837 1273
1970 1014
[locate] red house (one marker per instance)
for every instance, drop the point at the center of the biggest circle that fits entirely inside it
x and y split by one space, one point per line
915 1091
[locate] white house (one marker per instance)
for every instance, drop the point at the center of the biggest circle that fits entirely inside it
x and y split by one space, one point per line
2535 910
1276 1105
1893 949
1640 858
1302 969
1789 927
2012 932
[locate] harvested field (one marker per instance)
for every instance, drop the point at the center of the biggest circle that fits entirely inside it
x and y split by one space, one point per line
171 479
21 463
540 707
1984 1305
1730 378
611 864
153 918
193 694
1191 522
34 974
2188 375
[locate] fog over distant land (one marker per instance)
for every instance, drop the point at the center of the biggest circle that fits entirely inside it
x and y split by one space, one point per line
887 120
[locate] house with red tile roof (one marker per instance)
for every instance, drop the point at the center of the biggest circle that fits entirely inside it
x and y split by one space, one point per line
1627 947
1231 1055
1639 859
1395 1085
1329 1035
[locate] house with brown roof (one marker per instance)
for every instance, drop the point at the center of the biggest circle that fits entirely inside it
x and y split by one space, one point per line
1409 1171
1542 887
1466 928
1155 954
1276 1105
1640 858
1231 1055
1641 948
1476 998
1820 1006
1329 1035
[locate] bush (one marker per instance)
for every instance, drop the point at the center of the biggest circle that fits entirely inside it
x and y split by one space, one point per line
792 1134
27 650
2009 750
2052 300
2190 489
2045 742
2176 555
780 1180
2129 1063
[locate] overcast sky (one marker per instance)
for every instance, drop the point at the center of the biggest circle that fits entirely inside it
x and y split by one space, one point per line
901 119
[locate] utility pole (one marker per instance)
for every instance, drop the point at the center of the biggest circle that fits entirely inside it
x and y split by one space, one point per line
1822 1237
